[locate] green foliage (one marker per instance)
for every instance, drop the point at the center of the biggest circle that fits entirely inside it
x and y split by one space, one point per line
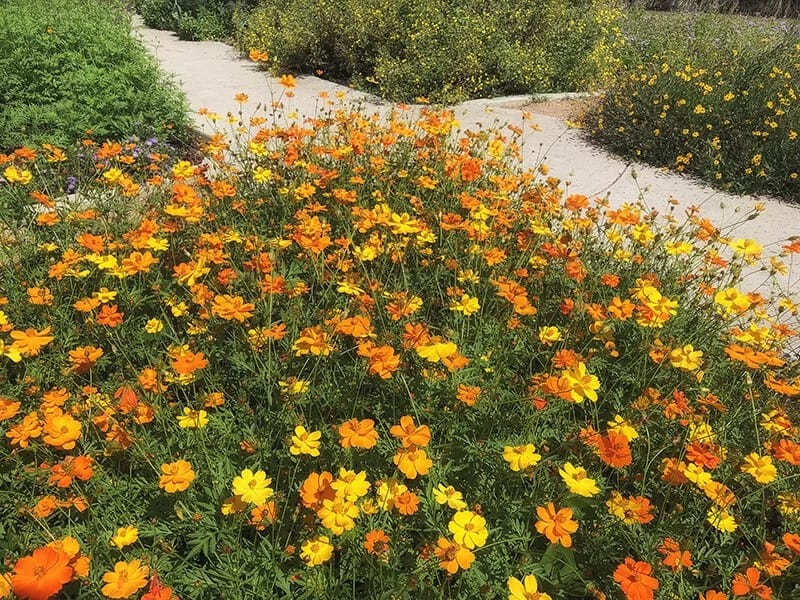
709 95
192 19
67 67
443 50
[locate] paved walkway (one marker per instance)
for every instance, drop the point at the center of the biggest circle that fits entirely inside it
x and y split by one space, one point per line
212 73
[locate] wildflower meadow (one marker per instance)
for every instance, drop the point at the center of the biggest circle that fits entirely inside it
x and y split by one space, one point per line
370 356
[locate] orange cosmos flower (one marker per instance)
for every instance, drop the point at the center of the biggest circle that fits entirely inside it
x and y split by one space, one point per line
635 580
41 575
358 434
412 462
468 394
313 340
257 55
376 542
316 489
157 591
176 476
713 595
748 584
358 326
770 562
382 359
556 525
61 431
232 308
186 362
614 449
83 358
411 434
30 341
126 579
452 556
72 467
8 408
138 262
40 296
110 315
407 503
21 434
674 558
792 542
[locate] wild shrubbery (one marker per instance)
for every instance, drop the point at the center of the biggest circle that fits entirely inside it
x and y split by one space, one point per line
442 50
70 67
709 95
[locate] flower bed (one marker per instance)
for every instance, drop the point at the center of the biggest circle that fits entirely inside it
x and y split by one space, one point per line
369 357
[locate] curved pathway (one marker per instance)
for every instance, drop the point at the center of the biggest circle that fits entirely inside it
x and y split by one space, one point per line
212 73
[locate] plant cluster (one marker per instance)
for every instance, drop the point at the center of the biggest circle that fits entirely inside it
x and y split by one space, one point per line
711 96
442 50
192 19
68 68
370 357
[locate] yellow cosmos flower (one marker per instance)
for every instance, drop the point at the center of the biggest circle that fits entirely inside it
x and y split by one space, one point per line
549 335
125 536
581 384
623 426
686 358
520 458
468 529
316 551
305 442
527 589
154 326
253 487
192 419
450 496
578 482
467 305
436 351
338 515
759 468
351 485
721 520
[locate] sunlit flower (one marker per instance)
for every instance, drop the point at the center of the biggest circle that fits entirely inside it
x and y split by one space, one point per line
176 476
358 434
305 442
759 468
468 529
252 487
192 419
633 576
520 458
125 536
577 481
450 496
41 575
453 556
126 579
527 589
556 525
317 550
580 383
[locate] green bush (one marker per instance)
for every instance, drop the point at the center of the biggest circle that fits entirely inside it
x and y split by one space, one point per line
710 95
68 66
444 50
191 19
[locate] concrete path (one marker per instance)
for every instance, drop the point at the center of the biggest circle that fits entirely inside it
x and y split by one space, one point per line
212 73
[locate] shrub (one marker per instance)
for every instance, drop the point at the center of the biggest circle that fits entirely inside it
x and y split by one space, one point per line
191 19
373 358
710 96
67 67
443 50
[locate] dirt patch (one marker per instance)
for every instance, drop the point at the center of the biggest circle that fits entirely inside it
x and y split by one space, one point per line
567 109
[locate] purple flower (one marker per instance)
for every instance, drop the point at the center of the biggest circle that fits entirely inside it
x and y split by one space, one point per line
72 183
